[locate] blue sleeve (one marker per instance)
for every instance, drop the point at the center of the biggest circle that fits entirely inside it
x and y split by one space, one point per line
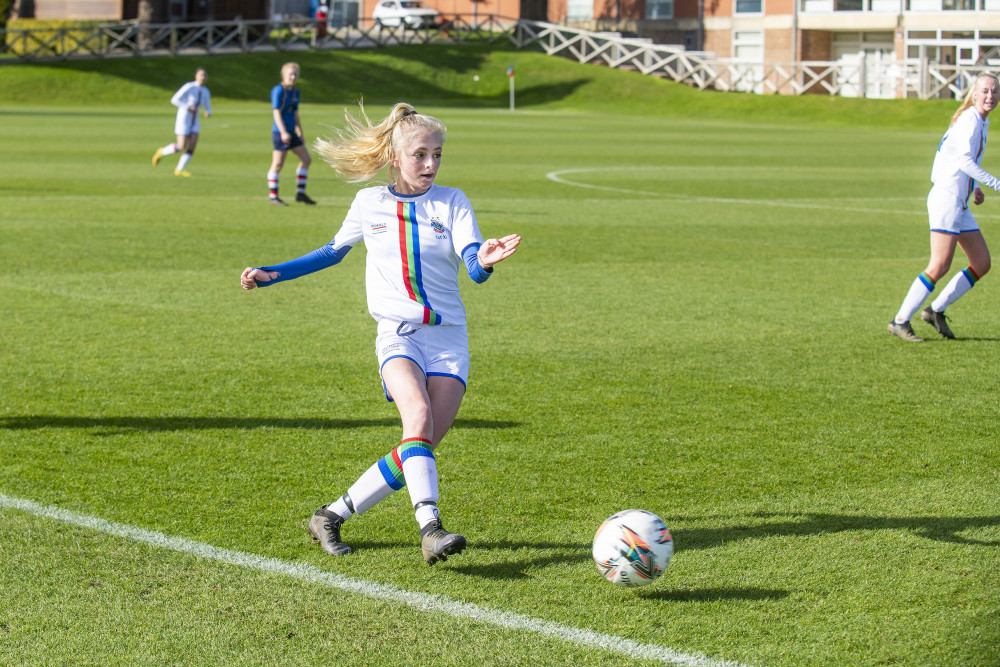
476 270
318 259
276 97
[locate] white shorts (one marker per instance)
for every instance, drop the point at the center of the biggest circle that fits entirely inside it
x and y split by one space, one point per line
186 123
436 349
948 213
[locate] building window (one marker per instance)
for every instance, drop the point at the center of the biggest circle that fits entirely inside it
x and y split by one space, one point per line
659 9
580 10
749 6
748 46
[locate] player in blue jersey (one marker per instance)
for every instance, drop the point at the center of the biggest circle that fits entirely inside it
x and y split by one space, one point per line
956 176
191 97
417 235
286 135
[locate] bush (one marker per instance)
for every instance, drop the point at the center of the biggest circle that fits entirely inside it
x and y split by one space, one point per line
53 37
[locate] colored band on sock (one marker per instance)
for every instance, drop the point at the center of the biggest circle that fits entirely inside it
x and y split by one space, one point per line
926 280
970 275
391 468
415 447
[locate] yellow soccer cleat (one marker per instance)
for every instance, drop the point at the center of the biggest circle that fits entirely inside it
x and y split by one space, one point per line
157 156
179 172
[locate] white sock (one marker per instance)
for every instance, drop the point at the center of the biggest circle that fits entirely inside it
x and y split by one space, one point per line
370 489
301 177
169 149
420 470
272 186
956 288
919 291
341 508
183 162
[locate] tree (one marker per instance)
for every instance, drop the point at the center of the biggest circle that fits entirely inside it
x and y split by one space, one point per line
148 12
5 8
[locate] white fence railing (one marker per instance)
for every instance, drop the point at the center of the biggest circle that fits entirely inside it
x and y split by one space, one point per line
865 76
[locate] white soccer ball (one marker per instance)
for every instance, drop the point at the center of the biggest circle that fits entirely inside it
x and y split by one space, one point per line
633 548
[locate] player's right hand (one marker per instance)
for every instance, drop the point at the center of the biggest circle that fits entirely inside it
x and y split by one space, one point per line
252 276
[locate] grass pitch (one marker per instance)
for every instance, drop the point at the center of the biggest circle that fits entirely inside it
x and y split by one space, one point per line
695 325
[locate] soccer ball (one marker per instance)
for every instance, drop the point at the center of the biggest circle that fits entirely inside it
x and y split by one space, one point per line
633 548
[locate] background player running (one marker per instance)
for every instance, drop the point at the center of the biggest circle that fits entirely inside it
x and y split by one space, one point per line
955 174
188 99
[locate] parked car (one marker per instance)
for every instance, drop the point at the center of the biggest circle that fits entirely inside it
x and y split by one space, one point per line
407 13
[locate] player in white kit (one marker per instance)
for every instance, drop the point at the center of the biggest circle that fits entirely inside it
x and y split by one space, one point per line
188 99
418 235
955 174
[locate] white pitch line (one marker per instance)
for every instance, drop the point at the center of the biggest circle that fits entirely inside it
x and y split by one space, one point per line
421 601
557 177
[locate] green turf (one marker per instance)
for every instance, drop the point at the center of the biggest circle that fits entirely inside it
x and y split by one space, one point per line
700 333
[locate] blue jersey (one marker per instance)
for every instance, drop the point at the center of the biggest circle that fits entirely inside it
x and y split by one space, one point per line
287 101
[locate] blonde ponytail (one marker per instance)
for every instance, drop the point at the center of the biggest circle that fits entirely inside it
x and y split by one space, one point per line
361 150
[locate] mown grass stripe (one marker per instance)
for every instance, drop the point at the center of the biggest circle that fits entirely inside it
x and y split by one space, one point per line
421 601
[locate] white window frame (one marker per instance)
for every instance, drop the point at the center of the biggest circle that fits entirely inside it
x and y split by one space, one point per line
653 7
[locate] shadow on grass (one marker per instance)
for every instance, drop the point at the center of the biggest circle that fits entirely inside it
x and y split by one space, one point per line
941 529
714 594
420 74
521 564
180 423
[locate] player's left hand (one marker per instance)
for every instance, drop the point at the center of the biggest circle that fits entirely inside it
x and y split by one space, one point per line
978 197
207 115
497 250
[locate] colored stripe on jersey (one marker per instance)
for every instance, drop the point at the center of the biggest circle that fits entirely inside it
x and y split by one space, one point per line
409 251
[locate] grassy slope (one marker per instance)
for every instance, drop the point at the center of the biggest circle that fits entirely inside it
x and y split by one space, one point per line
443 75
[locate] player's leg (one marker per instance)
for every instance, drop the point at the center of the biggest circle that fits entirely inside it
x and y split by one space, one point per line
974 246
169 149
302 174
942 251
190 145
411 462
277 162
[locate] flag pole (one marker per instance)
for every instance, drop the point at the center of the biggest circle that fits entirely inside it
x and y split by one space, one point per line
510 77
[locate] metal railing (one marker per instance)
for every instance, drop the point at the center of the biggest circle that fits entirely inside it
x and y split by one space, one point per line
866 77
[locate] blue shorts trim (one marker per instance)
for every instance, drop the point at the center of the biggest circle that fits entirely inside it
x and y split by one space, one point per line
397 356
279 145
450 375
947 231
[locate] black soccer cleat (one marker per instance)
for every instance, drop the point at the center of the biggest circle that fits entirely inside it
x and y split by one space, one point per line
437 543
304 198
324 526
277 202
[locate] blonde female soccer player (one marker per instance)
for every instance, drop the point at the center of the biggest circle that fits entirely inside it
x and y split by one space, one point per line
955 174
188 99
287 135
418 235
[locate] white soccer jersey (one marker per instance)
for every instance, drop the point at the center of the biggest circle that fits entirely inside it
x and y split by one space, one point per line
414 246
956 164
190 95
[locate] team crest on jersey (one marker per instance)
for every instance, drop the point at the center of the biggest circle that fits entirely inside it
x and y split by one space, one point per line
379 227
438 228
